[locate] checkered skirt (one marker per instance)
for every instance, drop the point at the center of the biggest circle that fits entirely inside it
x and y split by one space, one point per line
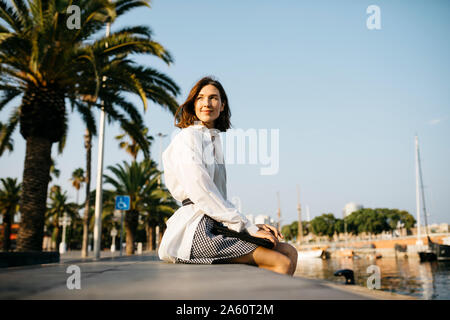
208 248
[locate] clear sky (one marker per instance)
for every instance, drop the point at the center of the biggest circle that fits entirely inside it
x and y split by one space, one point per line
347 100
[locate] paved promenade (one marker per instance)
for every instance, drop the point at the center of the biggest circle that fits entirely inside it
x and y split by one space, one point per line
145 277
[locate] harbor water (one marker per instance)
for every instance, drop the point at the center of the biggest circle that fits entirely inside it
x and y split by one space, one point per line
407 276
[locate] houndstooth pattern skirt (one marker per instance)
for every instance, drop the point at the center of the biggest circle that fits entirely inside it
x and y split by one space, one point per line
208 248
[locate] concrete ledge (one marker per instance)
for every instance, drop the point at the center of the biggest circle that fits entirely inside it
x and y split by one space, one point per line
144 277
14 259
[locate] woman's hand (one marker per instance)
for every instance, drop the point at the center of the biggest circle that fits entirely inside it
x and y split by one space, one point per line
271 229
261 233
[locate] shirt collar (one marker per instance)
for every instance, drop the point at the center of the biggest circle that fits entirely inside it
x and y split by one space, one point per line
201 126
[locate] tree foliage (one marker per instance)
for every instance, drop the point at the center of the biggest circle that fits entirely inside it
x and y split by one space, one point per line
374 221
324 225
45 63
378 220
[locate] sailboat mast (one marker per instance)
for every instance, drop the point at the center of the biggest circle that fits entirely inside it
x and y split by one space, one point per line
423 192
279 212
300 226
419 236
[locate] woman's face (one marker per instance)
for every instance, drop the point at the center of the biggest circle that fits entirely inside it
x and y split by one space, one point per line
208 105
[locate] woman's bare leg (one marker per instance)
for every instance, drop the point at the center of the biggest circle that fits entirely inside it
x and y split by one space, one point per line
289 251
273 260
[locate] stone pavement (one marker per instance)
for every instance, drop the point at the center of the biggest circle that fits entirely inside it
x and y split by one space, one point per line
144 276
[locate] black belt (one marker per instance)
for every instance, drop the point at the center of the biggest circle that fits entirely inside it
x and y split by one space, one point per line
187 202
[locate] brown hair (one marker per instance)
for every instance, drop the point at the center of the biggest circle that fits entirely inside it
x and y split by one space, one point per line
188 117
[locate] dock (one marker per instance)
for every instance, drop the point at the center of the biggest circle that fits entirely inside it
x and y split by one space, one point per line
145 277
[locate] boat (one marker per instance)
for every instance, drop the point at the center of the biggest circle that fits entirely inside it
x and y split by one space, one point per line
434 251
311 254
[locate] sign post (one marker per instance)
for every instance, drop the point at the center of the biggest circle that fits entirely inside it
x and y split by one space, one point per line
122 204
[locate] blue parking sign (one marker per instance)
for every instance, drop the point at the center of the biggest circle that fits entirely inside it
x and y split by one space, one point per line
123 203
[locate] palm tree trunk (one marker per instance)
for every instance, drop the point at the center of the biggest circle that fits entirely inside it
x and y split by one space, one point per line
131 223
88 146
7 231
149 230
36 176
55 235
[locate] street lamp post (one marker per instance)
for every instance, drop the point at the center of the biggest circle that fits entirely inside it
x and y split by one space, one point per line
113 242
89 242
99 192
65 222
279 213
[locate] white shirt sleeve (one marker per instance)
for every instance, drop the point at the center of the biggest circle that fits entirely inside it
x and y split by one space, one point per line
193 176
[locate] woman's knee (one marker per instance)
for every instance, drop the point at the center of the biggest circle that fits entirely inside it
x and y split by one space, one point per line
288 250
294 256
284 264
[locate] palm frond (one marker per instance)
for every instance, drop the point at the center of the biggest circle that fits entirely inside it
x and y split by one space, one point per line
6 143
117 44
62 141
88 117
137 30
23 13
11 17
122 6
8 95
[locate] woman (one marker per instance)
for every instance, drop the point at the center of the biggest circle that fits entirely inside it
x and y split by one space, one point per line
195 174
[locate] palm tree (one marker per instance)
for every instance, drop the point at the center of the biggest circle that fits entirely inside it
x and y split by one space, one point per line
54 171
9 206
57 207
155 206
135 129
159 206
134 180
133 147
158 88
44 62
77 180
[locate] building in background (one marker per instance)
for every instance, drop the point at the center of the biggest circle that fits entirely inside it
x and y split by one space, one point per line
261 219
264 219
351 207
251 218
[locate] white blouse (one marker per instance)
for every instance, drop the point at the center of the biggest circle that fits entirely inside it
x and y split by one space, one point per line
190 164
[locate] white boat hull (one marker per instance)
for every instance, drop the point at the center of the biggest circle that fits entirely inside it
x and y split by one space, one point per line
310 254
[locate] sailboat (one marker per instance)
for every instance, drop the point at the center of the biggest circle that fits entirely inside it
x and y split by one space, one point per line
434 251
311 253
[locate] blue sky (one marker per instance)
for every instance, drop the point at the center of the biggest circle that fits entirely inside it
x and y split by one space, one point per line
347 100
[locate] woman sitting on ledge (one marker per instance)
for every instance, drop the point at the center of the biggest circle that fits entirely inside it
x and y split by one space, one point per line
195 175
